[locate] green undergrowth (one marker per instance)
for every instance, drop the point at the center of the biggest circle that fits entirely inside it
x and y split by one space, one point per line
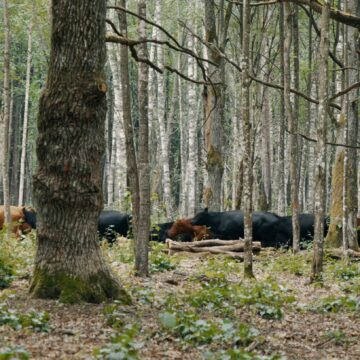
239 354
159 261
343 270
192 329
15 258
14 353
122 345
337 304
267 298
298 264
36 321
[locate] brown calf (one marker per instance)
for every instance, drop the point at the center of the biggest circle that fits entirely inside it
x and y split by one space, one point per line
183 226
18 226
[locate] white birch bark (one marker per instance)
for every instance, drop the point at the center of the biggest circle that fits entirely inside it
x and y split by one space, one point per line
163 136
192 125
142 246
320 163
26 115
293 160
117 171
281 208
6 118
248 268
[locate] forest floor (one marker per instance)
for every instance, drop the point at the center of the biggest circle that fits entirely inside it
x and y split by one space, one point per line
192 307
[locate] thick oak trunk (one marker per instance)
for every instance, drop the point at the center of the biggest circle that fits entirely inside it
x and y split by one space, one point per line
67 185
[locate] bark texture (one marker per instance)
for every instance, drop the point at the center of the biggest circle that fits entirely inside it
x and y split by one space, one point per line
141 253
67 184
245 112
320 162
26 115
6 120
214 103
292 129
132 170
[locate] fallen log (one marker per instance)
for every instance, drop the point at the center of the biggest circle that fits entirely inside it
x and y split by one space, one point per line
217 242
339 253
199 246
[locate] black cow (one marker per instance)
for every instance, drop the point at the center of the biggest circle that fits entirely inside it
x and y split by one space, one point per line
229 225
113 222
30 217
306 222
158 232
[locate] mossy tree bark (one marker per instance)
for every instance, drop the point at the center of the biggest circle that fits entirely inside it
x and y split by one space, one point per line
67 184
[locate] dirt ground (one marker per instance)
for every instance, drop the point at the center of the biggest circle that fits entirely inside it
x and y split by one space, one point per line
76 330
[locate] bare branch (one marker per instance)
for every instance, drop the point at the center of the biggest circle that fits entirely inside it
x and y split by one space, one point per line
345 91
294 91
327 143
335 14
132 43
314 24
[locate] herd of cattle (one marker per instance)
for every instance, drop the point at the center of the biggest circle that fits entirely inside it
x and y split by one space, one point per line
270 229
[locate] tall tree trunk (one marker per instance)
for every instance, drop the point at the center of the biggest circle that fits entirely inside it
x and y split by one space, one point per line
281 154
141 256
67 184
132 170
6 119
353 64
291 121
163 136
245 117
215 102
26 114
192 126
320 169
118 175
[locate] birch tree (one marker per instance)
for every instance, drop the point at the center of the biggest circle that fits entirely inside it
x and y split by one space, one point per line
245 117
26 113
163 134
214 101
320 162
131 161
281 208
6 118
192 127
288 17
141 254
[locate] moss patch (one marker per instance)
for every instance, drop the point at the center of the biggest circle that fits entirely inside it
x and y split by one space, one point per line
73 289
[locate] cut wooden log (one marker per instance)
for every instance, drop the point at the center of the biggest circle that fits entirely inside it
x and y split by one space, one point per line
217 242
200 246
339 253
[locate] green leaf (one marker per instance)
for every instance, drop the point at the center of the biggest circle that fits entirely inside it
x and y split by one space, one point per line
168 320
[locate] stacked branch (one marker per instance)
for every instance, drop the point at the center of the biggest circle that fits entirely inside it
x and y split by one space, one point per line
230 248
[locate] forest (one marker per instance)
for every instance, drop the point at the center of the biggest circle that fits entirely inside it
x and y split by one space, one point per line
179 179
